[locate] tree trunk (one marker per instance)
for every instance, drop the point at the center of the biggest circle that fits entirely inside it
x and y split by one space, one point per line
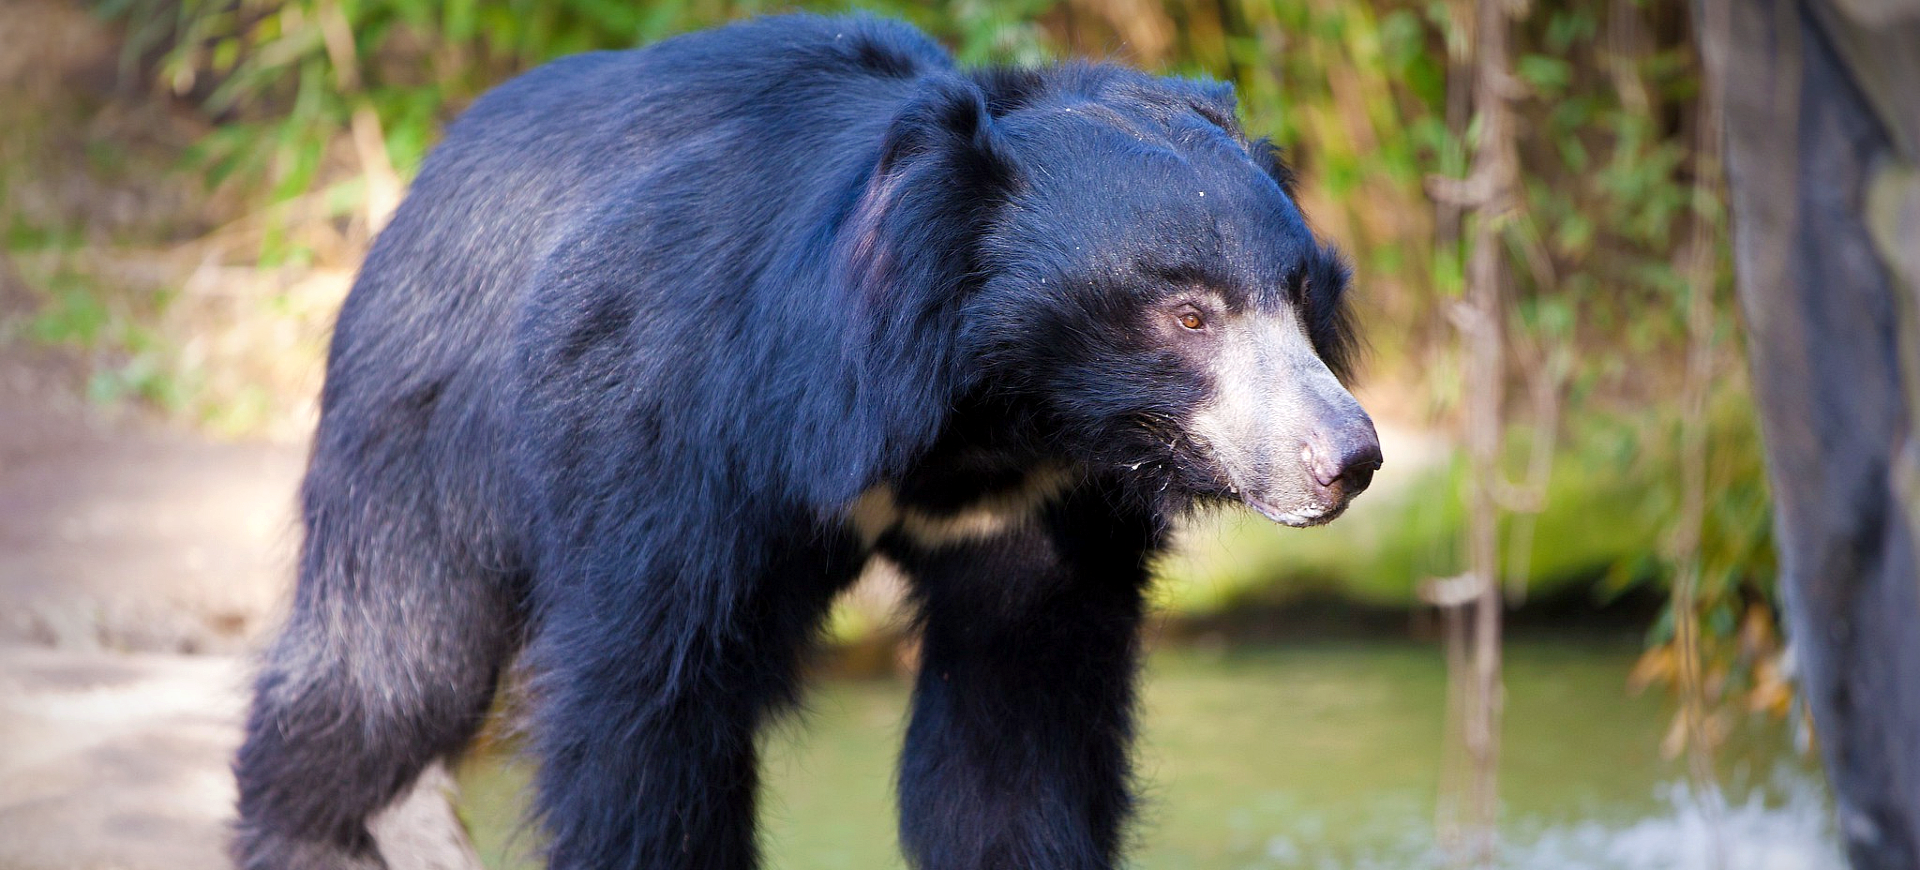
1822 104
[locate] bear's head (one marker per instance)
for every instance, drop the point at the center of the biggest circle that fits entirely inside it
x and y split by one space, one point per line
1135 270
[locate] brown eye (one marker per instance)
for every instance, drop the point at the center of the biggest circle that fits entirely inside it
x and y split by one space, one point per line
1191 320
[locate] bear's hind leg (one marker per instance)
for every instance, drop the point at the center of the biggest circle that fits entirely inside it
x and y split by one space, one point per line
387 664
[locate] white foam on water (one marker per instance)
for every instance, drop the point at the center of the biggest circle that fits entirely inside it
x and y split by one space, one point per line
1784 826
1755 834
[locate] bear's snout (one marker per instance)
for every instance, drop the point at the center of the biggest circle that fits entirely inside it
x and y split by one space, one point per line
1337 459
1343 461
1284 434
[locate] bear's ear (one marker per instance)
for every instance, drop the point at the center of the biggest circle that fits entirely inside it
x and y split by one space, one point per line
1269 158
1216 102
1012 88
948 120
942 167
1329 312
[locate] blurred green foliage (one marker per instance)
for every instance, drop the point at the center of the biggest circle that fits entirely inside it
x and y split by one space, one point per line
1370 100
283 77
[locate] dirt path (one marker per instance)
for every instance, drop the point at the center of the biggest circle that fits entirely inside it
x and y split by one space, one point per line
137 566
118 761
115 759
122 545
122 534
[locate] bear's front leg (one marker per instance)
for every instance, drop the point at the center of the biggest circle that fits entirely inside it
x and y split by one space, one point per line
1018 751
650 688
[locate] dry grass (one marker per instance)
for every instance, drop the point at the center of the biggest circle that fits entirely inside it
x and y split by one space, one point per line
147 274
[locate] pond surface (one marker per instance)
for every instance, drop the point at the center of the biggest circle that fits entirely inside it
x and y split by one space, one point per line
1324 755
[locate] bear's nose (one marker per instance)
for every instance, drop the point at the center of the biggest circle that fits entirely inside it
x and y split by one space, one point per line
1344 460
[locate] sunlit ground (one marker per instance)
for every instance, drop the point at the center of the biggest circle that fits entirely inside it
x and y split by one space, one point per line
1321 756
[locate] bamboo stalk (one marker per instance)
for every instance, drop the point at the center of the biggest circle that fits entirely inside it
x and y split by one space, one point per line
1495 181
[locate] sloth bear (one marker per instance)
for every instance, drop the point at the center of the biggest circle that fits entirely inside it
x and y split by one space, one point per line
665 344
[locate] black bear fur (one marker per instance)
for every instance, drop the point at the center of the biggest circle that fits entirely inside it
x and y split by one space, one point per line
647 336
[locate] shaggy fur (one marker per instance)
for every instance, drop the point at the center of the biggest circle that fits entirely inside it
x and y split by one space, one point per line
648 332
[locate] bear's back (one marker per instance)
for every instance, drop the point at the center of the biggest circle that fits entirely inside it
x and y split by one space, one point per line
683 159
532 163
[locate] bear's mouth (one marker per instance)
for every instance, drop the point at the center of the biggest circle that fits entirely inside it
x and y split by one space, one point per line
1298 518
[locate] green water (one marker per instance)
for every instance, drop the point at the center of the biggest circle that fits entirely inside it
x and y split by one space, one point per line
1316 756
